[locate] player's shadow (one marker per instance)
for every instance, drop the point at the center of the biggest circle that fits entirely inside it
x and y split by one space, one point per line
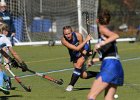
78 89
10 96
13 88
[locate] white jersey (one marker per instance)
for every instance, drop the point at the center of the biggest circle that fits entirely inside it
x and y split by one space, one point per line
4 39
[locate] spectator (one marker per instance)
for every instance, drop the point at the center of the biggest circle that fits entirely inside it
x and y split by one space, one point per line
7 18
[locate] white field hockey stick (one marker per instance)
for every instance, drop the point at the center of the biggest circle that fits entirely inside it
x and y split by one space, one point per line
28 89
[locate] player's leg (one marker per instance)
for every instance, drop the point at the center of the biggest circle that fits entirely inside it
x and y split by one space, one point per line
2 88
76 73
110 92
87 74
1 72
1 77
7 80
97 87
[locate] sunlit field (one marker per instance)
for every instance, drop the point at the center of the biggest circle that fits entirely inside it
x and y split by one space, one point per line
54 61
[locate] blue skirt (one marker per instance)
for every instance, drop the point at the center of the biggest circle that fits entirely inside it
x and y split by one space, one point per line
111 72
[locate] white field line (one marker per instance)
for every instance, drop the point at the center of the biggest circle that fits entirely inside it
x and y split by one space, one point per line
48 59
67 69
68 57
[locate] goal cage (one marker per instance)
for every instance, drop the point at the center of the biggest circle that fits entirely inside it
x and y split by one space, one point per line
41 21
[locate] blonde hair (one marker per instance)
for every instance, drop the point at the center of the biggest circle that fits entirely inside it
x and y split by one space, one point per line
3 27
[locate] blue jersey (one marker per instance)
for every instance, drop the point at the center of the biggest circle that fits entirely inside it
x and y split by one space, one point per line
108 50
74 55
111 69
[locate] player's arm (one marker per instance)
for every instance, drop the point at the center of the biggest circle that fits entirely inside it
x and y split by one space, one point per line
110 37
85 49
12 51
15 55
73 47
21 64
17 61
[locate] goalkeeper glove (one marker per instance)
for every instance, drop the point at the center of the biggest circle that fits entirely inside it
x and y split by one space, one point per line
14 63
23 66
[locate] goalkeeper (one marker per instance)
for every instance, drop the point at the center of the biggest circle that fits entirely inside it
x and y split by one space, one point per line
5 45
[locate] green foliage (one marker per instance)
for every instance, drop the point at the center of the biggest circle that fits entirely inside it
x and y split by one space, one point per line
123 12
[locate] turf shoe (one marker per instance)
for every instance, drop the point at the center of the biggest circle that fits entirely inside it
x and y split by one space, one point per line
4 90
69 88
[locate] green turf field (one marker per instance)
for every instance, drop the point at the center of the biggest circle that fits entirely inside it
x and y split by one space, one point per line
54 61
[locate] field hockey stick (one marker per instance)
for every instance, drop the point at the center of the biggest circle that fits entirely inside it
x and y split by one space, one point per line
93 55
59 82
28 89
25 68
5 55
88 27
99 8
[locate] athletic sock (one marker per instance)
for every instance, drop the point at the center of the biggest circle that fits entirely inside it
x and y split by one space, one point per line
76 74
91 74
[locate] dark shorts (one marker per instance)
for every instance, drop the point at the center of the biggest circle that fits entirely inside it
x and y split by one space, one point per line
74 59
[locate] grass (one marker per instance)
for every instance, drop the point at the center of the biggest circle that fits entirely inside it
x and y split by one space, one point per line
47 59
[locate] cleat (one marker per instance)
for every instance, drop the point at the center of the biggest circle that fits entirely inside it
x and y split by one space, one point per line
69 88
